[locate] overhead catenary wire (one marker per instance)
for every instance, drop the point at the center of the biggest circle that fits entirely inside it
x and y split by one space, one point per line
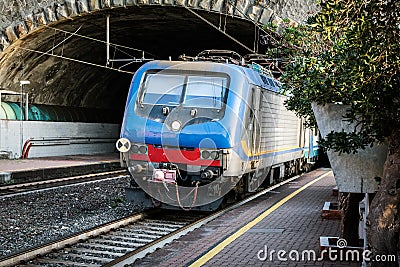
255 23
115 46
141 50
80 35
76 60
98 40
62 42
221 31
263 39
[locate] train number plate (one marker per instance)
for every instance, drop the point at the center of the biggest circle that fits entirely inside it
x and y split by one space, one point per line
164 176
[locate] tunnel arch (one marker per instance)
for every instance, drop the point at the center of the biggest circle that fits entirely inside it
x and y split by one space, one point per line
161 28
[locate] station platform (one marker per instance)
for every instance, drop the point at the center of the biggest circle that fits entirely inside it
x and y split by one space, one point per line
28 170
274 230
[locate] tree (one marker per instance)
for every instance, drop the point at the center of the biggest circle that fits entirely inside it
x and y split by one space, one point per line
350 52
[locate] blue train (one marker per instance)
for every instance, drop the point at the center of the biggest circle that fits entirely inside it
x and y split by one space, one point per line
196 134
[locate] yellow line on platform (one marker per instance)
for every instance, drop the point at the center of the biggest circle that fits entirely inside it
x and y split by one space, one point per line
209 255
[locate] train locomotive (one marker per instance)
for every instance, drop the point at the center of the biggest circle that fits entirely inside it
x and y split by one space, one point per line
196 134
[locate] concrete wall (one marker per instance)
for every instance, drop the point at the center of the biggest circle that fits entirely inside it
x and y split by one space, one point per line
354 173
57 138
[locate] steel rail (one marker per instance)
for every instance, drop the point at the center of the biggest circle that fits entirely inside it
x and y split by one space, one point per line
27 187
58 244
141 252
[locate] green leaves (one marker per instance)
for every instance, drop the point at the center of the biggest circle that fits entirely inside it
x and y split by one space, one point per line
344 142
270 26
349 52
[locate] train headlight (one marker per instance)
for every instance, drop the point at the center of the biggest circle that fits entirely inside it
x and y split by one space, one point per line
176 125
143 149
205 154
139 149
134 149
123 145
214 155
210 154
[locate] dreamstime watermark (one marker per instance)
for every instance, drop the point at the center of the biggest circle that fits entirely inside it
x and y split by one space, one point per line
338 253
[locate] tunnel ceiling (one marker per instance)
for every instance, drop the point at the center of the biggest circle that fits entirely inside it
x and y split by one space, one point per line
159 31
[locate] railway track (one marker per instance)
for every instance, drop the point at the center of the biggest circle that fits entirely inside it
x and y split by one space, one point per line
121 242
23 188
109 244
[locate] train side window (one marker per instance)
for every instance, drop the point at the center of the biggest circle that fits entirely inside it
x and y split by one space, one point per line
264 79
271 82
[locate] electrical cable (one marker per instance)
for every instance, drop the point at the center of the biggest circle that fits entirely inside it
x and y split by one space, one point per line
55 46
255 23
79 35
76 60
98 40
215 27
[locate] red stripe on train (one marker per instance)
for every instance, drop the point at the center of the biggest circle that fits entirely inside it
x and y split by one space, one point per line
189 157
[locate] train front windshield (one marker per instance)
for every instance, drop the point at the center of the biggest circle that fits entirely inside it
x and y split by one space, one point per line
186 89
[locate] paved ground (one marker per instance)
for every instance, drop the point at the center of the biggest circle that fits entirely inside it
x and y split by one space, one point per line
14 165
36 169
293 227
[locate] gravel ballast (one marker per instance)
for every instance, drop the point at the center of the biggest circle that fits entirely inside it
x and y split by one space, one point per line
39 217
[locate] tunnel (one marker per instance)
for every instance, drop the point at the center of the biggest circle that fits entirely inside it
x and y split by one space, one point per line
142 33
79 56
73 71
